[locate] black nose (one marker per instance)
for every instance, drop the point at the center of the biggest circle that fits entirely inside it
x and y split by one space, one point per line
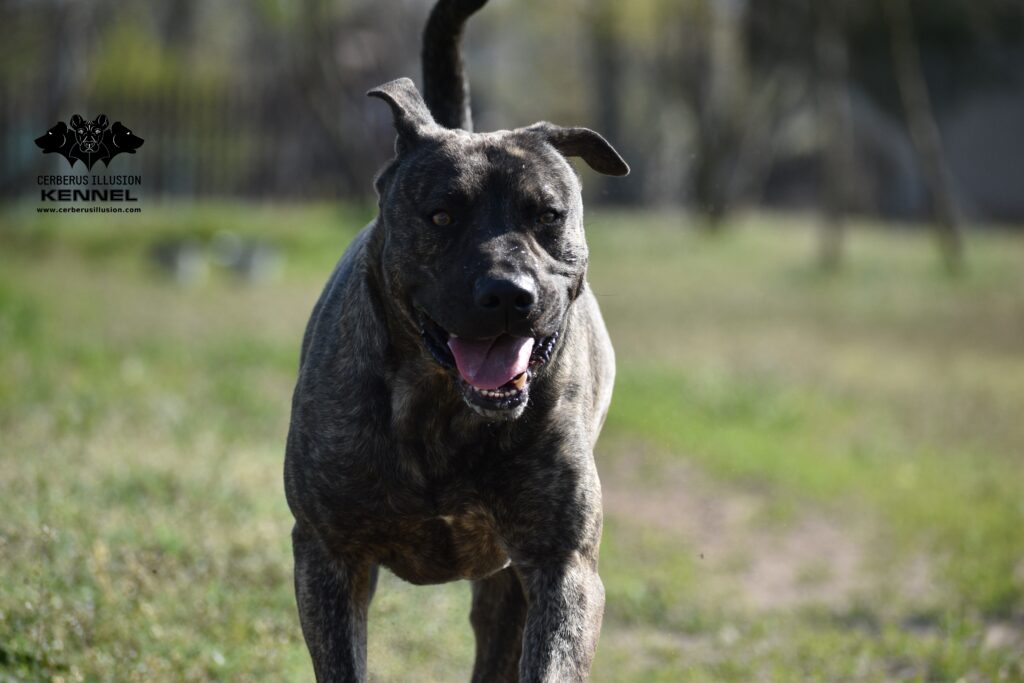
513 297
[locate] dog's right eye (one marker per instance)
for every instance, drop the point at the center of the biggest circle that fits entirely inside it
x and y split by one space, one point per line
441 218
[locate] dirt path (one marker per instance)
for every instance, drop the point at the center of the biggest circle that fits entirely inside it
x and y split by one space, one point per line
763 558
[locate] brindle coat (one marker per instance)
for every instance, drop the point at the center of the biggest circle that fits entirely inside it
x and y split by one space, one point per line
393 461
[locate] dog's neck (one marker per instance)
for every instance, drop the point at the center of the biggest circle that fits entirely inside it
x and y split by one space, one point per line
403 335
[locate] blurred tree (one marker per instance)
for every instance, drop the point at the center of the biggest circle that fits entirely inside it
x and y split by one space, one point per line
714 85
716 103
338 52
833 104
924 132
699 61
176 22
607 59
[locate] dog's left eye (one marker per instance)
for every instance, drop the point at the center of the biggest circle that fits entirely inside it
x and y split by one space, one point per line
548 217
441 218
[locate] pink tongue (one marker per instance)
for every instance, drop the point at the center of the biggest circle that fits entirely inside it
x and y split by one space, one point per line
490 363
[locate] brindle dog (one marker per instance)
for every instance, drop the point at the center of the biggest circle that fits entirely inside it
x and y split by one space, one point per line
454 377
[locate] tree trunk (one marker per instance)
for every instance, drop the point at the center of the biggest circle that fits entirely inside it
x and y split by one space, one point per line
719 101
924 133
833 128
607 57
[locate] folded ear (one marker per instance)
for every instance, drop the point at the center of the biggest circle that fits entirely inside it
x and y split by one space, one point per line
412 117
585 144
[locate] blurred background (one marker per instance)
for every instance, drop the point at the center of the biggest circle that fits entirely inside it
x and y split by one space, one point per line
813 276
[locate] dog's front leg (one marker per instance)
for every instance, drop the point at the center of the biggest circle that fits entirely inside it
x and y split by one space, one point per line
563 621
498 616
333 599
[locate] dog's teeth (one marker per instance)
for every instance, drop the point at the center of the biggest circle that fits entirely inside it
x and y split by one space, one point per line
501 394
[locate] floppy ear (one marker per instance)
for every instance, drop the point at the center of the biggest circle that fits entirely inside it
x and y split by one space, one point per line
412 117
585 144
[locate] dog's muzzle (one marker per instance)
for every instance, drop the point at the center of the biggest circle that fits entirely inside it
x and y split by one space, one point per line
493 374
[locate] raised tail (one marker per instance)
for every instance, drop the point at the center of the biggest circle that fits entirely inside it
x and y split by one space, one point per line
445 88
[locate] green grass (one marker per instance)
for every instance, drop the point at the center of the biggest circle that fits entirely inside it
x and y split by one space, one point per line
809 478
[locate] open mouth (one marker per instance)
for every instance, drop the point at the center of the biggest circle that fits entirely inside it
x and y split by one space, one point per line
494 373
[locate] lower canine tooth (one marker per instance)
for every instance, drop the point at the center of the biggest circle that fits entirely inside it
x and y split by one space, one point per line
519 381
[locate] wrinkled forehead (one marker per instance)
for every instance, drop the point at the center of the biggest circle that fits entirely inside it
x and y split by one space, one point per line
466 165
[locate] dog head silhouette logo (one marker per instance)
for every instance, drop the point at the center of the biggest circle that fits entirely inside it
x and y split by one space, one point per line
89 141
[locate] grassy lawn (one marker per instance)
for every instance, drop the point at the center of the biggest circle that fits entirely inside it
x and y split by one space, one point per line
807 478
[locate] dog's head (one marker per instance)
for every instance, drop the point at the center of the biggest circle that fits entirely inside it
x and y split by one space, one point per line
121 139
55 139
483 243
88 134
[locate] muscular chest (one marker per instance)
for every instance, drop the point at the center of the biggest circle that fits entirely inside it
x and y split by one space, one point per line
462 543
439 503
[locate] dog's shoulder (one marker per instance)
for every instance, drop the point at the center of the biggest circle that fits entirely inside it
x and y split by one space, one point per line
340 298
338 387
585 371
602 361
